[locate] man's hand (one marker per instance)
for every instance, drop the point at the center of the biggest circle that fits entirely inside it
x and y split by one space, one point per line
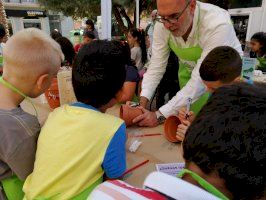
182 129
143 102
148 118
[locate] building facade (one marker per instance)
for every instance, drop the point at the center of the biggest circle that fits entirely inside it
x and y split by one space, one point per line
28 13
249 17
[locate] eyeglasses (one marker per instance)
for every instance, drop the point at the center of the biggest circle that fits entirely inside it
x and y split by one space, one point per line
174 19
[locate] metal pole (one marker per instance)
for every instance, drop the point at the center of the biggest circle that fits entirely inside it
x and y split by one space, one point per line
137 14
106 13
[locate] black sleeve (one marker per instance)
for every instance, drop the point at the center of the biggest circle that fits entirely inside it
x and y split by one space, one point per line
132 74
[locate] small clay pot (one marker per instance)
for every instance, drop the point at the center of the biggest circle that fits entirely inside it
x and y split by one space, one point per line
52 94
170 127
128 113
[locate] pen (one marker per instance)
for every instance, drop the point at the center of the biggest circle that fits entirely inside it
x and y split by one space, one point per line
189 101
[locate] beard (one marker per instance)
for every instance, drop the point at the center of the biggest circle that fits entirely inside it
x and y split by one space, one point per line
182 28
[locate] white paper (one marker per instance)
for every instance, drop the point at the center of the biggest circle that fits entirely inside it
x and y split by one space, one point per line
172 169
66 92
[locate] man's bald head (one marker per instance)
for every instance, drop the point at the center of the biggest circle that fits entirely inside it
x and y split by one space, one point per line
153 14
177 15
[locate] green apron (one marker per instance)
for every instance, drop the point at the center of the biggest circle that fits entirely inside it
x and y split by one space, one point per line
262 63
191 54
13 188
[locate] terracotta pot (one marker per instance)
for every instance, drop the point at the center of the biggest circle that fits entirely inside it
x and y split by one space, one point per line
52 95
128 113
170 128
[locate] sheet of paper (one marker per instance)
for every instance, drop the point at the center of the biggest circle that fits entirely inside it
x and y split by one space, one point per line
172 169
248 68
66 92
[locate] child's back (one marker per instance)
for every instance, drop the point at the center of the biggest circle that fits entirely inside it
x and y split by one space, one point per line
18 137
23 77
79 143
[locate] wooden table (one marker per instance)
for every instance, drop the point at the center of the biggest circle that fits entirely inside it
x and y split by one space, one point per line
156 149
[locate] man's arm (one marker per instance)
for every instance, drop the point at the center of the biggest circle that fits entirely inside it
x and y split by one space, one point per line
159 59
223 35
219 35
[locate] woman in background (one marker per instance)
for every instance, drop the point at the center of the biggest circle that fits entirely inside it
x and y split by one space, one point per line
68 50
137 42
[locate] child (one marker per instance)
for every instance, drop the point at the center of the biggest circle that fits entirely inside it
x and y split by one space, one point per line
222 66
224 153
258 46
88 36
91 27
31 60
137 42
225 145
79 143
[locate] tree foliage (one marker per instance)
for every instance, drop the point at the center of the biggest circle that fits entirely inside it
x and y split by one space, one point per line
74 8
92 8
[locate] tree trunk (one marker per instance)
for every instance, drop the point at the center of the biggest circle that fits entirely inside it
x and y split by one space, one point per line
124 14
3 19
119 19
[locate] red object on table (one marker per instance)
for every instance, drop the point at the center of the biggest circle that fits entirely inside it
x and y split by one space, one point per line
170 128
52 95
147 135
135 167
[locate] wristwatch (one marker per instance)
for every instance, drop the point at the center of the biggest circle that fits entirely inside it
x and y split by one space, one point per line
160 117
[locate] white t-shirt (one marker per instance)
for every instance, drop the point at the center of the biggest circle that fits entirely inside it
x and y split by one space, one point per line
136 55
215 29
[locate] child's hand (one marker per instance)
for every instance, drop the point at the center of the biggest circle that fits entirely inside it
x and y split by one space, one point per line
182 115
182 129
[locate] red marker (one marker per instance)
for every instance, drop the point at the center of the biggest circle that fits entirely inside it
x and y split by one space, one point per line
147 135
137 166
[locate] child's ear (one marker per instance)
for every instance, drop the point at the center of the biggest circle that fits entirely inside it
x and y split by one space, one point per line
237 79
43 82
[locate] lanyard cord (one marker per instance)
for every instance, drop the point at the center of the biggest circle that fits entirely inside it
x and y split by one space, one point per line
14 89
203 183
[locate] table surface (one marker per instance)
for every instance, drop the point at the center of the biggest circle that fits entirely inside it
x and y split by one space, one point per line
156 149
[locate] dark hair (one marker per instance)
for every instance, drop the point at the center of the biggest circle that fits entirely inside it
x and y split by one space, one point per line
90 22
2 31
67 49
221 64
140 35
127 53
260 37
228 137
55 34
89 34
98 72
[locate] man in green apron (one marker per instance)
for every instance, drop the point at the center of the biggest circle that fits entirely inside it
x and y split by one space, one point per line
191 29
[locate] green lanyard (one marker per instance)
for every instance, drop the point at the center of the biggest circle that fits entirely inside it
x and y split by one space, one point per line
203 183
14 89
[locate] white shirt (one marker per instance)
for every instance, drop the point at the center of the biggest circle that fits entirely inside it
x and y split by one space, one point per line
136 55
215 29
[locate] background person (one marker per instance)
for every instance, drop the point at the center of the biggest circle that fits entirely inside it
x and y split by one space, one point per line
91 27
137 43
258 46
68 50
